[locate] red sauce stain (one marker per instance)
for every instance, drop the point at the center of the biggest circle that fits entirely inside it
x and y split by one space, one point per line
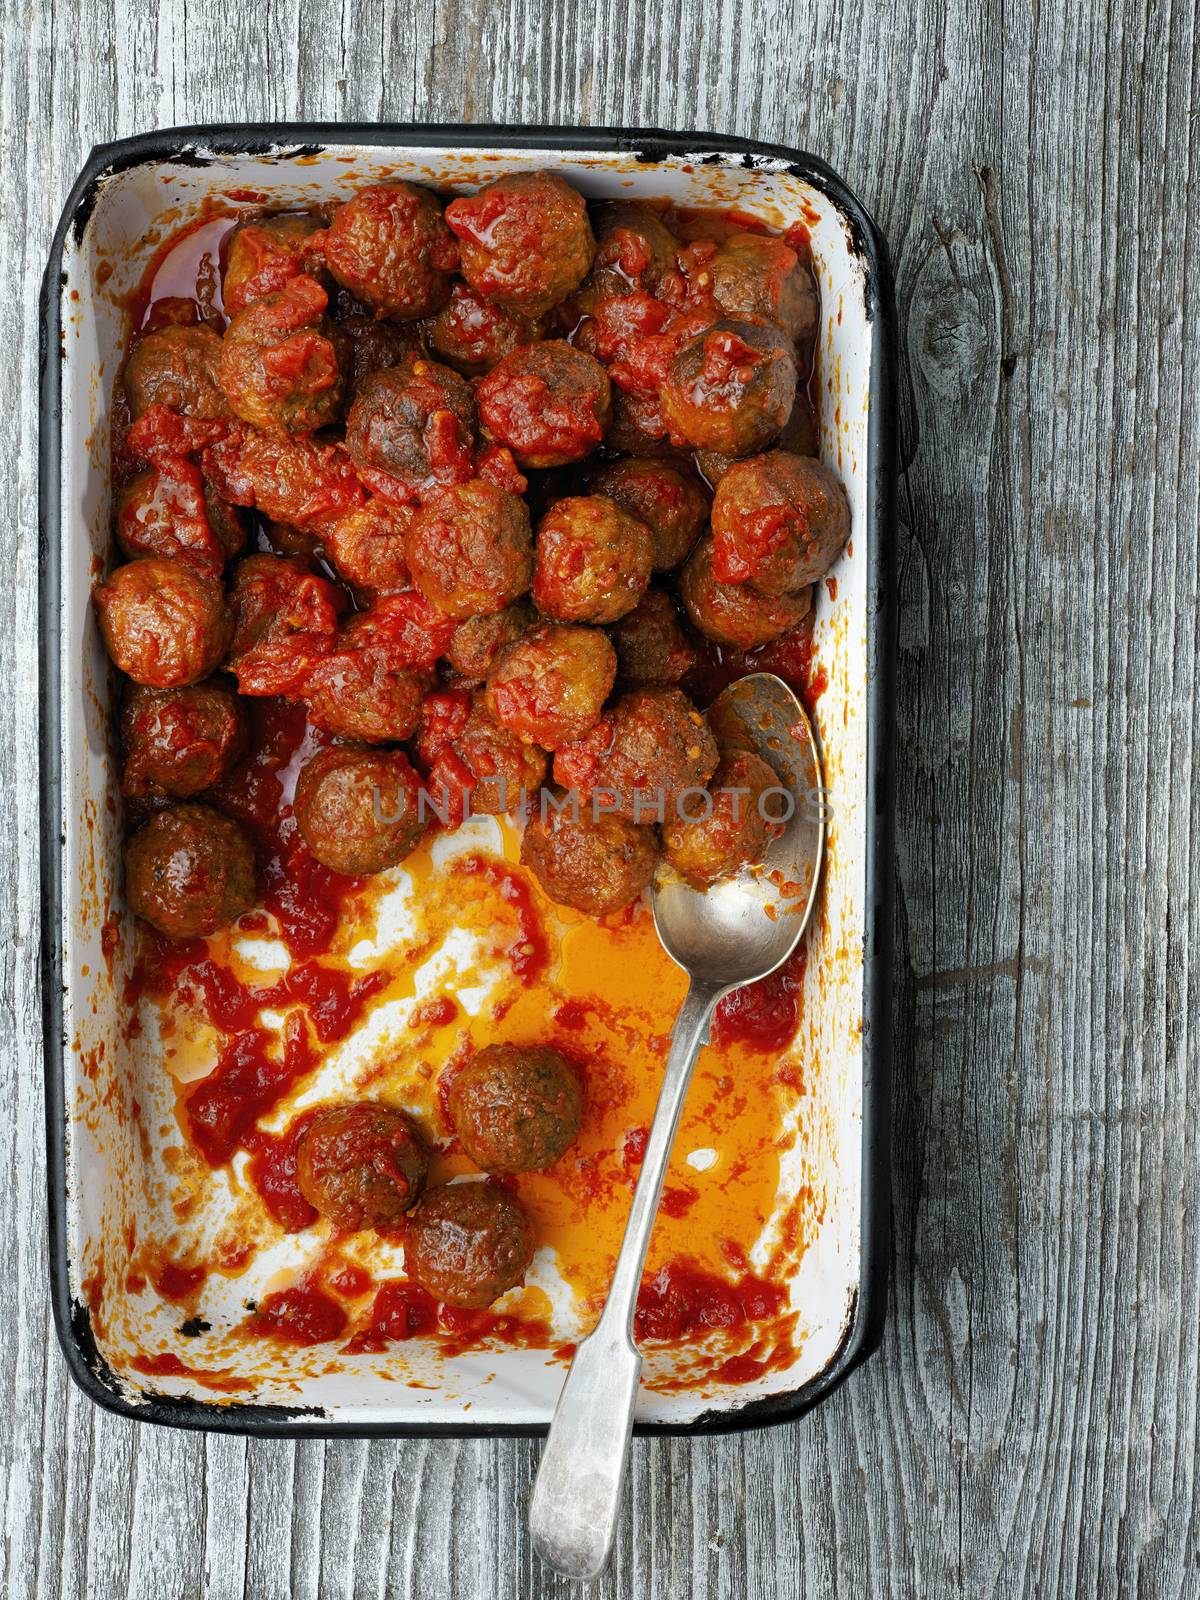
169 1366
333 1000
677 1202
681 1300
251 1074
175 1282
763 1015
401 1310
571 1014
301 1315
272 1171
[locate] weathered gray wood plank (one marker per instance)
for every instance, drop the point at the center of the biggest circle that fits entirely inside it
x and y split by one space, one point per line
1030 1426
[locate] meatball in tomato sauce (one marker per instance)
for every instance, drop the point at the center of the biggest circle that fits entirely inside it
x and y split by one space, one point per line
367 545
176 367
585 858
549 686
730 389
470 549
468 1243
593 560
179 741
265 253
412 427
478 640
667 497
525 240
549 403
282 359
516 1108
471 333
357 809
756 275
165 624
641 756
734 613
391 248
360 691
476 765
634 249
652 649
712 836
189 871
779 522
361 1165
286 620
170 512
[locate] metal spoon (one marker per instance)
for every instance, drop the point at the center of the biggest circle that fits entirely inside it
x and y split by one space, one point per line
722 937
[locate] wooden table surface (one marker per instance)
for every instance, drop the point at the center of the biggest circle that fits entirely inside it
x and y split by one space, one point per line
1030 1425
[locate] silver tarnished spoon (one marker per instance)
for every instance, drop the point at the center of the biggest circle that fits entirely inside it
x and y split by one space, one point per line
738 930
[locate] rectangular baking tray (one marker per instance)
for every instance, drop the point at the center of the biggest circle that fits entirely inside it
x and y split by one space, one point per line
129 196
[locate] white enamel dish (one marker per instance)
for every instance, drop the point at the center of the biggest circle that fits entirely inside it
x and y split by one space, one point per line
107 1159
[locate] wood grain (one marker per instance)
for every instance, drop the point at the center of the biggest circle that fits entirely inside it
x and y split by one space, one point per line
1030 1426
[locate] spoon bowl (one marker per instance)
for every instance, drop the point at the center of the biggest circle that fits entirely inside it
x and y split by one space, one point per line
738 930
743 927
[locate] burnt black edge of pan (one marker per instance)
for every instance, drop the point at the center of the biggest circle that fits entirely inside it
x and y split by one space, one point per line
285 142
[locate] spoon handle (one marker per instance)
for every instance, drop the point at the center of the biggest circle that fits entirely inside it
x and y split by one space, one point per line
573 1509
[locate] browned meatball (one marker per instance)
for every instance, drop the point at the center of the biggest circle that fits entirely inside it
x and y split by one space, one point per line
593 560
730 389
189 872
468 1243
779 522
375 344
179 741
756 275
710 837
516 1108
164 512
477 641
634 248
361 691
549 686
411 427
735 614
391 248
358 809
367 545
281 361
470 549
652 747
525 240
286 620
548 402
666 497
361 1165
471 334
652 649
592 861
263 254
164 623
176 367
475 764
